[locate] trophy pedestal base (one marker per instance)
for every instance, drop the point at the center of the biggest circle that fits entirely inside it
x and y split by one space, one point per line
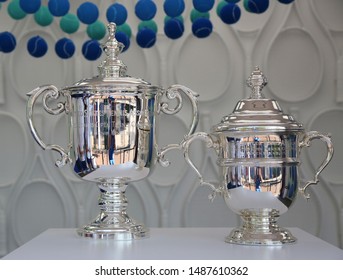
260 228
111 229
273 237
113 222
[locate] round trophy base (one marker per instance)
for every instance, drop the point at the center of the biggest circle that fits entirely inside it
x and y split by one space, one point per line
273 236
128 231
260 228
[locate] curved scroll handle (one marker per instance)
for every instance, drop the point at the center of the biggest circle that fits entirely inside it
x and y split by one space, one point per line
309 136
173 92
48 91
210 143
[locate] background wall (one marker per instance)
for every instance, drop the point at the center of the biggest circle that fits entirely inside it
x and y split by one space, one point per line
298 46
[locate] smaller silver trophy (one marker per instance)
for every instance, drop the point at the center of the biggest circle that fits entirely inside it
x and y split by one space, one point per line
112 122
258 149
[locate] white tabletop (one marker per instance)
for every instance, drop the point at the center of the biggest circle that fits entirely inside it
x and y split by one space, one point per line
170 244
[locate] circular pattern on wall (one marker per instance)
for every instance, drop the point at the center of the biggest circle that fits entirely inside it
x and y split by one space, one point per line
51 69
295 65
330 13
205 71
14 143
39 206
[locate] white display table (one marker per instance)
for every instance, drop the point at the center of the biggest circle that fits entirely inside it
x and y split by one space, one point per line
170 244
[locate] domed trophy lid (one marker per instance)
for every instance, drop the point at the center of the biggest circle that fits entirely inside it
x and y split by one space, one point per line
257 113
112 71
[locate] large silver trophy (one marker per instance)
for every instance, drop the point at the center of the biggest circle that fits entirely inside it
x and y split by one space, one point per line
258 148
112 121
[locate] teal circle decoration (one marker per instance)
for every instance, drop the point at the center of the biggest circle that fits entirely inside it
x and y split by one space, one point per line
125 28
15 11
195 14
43 16
69 23
148 24
96 30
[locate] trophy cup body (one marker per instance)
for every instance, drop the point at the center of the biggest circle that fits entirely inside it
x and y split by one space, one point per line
258 155
112 122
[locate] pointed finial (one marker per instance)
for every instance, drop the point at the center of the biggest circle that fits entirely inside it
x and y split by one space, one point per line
112 66
257 81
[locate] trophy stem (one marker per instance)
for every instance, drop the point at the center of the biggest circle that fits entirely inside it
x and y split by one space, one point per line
113 222
260 228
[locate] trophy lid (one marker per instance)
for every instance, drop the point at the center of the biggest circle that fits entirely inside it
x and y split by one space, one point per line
257 113
112 71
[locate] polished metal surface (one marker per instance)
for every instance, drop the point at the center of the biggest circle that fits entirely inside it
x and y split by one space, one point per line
258 149
112 122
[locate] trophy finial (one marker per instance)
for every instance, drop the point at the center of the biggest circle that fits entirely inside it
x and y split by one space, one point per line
112 66
257 81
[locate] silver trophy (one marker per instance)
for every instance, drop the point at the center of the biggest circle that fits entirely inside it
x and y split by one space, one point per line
258 148
112 122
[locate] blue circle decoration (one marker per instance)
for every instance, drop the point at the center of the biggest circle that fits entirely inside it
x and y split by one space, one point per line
65 48
202 27
180 18
174 8
59 8
37 46
88 13
30 6
232 1
146 38
116 13
230 13
15 11
256 6
286 1
145 9
124 39
7 42
174 28
91 50
203 6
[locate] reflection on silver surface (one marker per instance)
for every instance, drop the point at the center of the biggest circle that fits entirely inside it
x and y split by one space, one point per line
113 134
112 127
258 149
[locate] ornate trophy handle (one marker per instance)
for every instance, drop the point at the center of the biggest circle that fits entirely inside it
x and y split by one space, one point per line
210 143
48 91
173 92
307 142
